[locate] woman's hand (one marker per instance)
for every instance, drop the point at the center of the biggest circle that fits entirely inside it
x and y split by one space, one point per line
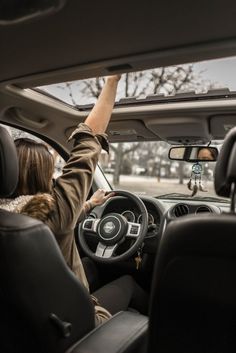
115 78
99 197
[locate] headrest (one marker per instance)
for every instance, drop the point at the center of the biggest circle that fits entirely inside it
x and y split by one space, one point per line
8 164
225 171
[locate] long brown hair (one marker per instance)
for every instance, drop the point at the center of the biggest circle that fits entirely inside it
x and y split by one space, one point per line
36 166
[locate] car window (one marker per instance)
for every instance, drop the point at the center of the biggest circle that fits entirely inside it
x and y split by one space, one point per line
144 168
59 161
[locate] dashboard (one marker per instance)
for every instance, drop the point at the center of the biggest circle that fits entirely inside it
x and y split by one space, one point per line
160 212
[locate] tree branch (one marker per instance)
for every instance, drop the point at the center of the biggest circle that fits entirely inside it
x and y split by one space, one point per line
68 85
126 85
131 149
91 89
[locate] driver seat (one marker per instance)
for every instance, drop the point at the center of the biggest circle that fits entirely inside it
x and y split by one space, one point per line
44 308
193 302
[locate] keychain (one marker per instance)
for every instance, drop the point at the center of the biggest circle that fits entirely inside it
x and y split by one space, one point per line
138 258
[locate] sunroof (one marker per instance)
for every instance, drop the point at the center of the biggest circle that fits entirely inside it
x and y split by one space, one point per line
196 78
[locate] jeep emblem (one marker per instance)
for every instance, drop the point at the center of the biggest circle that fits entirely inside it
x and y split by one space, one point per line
109 227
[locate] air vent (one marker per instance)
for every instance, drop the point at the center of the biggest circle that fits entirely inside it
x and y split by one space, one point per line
181 210
203 209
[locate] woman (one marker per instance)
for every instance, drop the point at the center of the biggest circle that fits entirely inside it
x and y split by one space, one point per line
206 154
62 204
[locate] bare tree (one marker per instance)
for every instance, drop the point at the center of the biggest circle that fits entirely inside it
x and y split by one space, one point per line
120 152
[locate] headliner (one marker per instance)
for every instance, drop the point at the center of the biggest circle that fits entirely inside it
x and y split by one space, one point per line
97 38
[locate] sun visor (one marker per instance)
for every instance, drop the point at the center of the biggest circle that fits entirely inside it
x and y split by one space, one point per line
125 131
221 124
132 130
180 130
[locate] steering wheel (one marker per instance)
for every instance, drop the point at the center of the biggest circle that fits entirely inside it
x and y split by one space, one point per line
111 230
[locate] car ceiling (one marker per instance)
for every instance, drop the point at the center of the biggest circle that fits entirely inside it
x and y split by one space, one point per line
87 39
105 34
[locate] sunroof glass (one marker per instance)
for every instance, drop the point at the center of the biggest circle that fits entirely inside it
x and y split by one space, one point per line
167 81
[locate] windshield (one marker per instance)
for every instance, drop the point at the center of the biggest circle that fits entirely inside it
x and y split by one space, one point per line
145 169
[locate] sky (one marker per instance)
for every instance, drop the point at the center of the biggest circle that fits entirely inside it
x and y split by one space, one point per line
222 71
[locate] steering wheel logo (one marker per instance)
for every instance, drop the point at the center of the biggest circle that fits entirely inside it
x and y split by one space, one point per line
109 227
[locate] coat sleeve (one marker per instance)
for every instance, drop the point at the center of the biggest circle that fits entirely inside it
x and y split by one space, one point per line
83 214
72 187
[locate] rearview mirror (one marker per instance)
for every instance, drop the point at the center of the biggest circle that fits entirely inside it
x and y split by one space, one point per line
193 153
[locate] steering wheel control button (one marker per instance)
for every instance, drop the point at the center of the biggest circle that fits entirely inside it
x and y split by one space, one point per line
112 228
90 224
133 230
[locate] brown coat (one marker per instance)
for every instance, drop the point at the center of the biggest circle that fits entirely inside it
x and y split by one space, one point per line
70 193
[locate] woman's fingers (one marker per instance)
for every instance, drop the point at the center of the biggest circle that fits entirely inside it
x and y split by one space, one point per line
108 195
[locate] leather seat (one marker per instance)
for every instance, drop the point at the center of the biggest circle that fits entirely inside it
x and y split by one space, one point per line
44 308
193 304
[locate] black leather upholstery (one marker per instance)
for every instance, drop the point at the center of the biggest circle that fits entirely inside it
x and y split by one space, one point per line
43 306
193 304
124 333
8 164
225 171
36 285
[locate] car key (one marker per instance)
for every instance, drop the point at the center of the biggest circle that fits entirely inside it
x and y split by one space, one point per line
138 260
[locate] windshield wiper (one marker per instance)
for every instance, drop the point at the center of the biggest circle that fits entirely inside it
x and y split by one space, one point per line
176 196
